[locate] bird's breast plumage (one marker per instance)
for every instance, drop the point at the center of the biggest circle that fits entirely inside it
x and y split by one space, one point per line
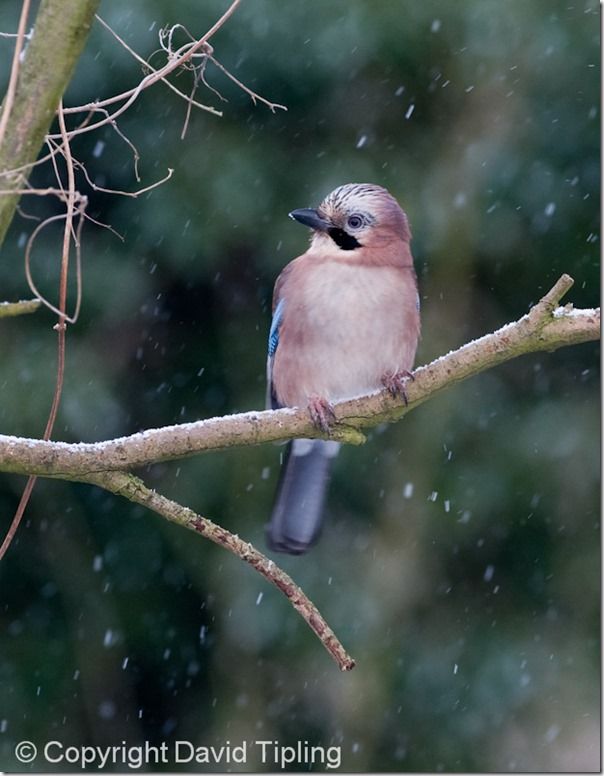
345 324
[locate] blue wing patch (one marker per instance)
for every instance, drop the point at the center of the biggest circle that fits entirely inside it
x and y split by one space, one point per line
273 337
273 342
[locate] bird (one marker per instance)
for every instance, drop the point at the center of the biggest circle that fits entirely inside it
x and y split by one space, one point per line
345 323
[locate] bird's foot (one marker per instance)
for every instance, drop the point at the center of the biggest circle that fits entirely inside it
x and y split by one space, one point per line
321 413
395 383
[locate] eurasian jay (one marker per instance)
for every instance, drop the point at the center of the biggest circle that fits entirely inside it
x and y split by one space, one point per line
345 323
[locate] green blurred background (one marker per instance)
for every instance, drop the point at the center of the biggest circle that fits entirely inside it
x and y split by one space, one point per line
460 563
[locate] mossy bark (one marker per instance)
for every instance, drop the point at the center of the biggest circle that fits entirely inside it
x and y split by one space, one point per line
60 32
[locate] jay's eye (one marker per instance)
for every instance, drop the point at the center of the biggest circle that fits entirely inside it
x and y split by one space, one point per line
355 222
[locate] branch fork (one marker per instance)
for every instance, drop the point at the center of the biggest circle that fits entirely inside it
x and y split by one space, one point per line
107 464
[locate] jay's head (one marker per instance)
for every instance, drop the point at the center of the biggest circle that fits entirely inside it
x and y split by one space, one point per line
354 216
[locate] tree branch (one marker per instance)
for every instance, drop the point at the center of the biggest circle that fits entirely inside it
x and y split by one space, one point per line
135 490
23 306
60 32
544 328
9 98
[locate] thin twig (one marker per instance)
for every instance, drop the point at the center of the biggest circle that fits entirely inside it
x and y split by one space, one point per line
152 78
60 193
14 73
133 194
178 59
65 196
56 147
28 273
80 202
24 306
546 305
18 171
26 216
189 100
14 35
60 327
197 69
253 96
20 511
119 236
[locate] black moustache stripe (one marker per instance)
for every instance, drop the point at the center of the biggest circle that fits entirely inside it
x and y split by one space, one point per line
345 241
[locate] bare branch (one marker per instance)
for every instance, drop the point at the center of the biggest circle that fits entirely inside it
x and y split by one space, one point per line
539 330
55 147
14 73
60 193
181 58
28 272
545 327
188 99
67 233
10 309
184 55
254 97
133 194
16 35
135 490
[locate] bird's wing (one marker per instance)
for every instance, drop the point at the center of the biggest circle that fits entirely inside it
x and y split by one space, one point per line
273 343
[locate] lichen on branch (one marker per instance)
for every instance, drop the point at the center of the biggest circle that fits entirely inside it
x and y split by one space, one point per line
545 327
106 464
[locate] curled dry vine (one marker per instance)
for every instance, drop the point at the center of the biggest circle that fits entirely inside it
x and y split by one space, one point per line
74 201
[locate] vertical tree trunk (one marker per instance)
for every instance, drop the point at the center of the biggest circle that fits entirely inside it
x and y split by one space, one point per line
61 30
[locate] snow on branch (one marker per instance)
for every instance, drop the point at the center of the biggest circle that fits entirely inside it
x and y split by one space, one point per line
22 307
545 327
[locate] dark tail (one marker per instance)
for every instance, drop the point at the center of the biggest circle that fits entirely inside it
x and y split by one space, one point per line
298 512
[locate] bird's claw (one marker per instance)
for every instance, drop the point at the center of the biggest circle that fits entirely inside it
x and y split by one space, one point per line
395 383
321 413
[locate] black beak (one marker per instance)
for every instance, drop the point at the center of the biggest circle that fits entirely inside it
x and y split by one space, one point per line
310 217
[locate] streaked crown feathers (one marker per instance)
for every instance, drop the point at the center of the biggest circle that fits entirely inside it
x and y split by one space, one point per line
374 202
